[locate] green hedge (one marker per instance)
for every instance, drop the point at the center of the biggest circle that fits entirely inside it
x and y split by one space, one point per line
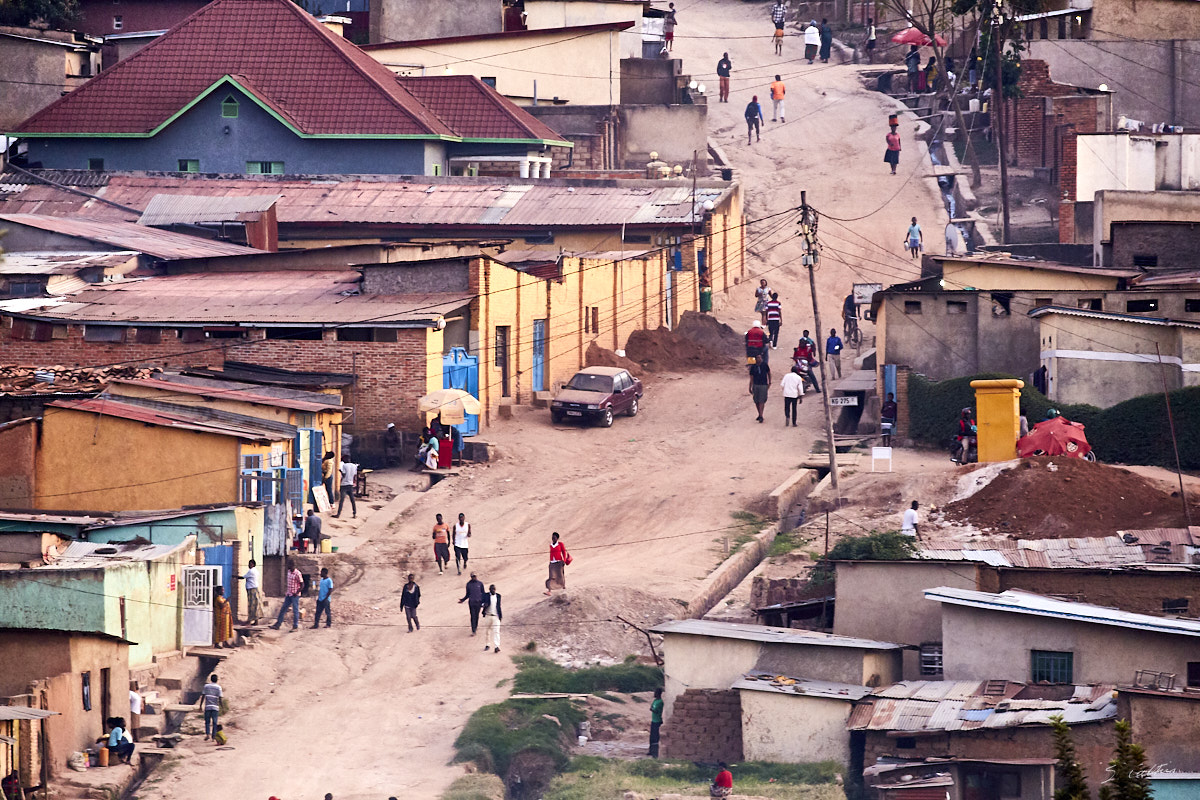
496 733
538 675
1133 432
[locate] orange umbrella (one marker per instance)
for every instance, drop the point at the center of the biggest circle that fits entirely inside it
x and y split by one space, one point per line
914 36
1054 437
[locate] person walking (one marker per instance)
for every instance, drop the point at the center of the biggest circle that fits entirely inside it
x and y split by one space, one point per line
441 544
870 40
324 594
912 66
833 353
462 537
778 90
253 593
494 614
291 598
724 68
754 120
669 28
774 314
779 15
559 559
760 382
210 702
656 715
349 474
793 390
891 156
327 466
410 598
474 600
826 34
812 41
915 239
761 295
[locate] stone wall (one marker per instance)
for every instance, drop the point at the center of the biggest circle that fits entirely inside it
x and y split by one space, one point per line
706 725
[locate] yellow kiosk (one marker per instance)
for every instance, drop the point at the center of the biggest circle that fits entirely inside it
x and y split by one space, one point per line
998 418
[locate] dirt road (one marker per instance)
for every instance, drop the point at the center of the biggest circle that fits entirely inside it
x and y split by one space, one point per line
367 710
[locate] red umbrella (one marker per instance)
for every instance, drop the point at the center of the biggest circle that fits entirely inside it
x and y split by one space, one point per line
914 36
1054 437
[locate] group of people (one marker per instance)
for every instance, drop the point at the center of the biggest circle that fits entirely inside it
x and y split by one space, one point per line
437 444
442 535
347 473
295 587
818 42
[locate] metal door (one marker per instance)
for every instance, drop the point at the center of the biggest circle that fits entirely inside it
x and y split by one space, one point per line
539 355
668 300
303 455
461 371
221 555
316 449
198 585
292 481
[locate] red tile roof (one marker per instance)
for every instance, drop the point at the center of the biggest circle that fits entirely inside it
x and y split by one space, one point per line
316 80
475 110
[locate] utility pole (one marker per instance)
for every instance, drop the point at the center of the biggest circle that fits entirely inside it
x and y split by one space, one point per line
808 230
998 119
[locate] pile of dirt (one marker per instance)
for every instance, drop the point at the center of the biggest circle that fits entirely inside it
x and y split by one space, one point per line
597 356
664 350
1053 497
567 627
716 337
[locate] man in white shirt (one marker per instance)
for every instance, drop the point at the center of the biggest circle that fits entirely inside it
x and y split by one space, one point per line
812 41
912 523
793 390
253 594
135 711
493 613
349 473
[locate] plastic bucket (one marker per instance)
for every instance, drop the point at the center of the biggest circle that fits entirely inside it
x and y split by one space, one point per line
333 549
706 298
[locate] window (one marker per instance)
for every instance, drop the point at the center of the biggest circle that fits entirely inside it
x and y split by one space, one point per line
295 334
634 238
1141 306
931 658
87 691
103 333
24 288
1038 302
1175 605
1193 673
147 335
501 345
118 23
912 306
956 307
189 165
366 334
540 238
1001 304
1090 303
1052 666
191 334
31 331
252 462
437 170
595 319
1191 305
906 743
229 107
222 333
305 420
489 81
264 167
1145 260
96 164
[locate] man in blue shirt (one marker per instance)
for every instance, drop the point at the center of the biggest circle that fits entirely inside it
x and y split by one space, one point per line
833 353
324 592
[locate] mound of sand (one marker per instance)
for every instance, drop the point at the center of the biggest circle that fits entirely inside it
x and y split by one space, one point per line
597 356
1051 497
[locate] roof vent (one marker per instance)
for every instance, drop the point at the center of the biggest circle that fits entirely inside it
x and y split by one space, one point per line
106 551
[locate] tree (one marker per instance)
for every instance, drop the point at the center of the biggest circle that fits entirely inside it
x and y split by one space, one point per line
1127 770
59 14
1074 781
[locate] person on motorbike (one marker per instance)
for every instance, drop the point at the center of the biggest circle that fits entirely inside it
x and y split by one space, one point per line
962 437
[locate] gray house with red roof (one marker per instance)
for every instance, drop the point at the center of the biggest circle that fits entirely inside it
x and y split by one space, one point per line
260 87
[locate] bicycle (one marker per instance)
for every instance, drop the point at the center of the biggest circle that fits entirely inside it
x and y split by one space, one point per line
852 331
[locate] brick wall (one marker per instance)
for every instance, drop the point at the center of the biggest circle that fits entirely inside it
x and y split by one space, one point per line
902 424
706 725
1066 188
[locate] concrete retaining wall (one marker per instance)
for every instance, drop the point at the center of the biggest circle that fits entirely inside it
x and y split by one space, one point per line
731 572
790 492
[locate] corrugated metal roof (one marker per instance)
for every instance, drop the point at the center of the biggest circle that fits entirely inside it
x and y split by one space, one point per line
130 236
24 712
766 682
1083 552
175 209
767 634
286 298
1017 602
1043 311
245 393
51 263
89 555
181 417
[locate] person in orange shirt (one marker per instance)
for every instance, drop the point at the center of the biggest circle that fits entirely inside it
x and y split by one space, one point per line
441 544
777 93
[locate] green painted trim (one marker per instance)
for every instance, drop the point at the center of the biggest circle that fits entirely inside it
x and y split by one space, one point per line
546 142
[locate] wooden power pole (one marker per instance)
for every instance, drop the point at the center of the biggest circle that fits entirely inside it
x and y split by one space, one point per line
808 230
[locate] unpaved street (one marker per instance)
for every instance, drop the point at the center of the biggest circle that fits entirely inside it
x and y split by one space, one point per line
367 710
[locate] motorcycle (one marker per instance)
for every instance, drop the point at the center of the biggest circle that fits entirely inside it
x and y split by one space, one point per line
972 455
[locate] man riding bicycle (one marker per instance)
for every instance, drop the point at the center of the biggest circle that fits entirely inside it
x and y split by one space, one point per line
850 317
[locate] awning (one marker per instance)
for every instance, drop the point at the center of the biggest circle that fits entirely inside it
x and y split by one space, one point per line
24 712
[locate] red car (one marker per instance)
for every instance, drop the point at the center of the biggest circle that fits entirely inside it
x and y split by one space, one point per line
597 394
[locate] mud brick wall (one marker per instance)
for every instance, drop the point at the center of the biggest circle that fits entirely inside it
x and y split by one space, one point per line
705 725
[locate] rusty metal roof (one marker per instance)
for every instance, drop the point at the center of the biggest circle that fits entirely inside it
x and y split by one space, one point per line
225 390
181 417
52 263
175 209
166 245
283 298
768 682
1095 552
18 380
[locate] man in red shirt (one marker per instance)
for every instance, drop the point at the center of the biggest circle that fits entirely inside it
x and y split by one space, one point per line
295 583
756 341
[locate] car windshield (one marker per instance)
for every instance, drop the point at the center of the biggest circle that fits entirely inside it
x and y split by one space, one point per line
584 382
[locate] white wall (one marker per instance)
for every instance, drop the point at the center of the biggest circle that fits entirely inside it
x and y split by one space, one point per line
794 728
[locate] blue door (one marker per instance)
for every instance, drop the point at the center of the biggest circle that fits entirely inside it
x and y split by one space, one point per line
539 355
461 371
316 449
221 555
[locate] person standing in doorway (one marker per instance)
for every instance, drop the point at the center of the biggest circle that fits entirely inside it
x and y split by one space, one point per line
724 68
441 544
494 614
558 565
826 40
210 701
474 600
349 474
774 315
291 598
462 541
669 28
891 156
887 418
324 595
870 40
793 390
915 239
656 715
760 382
778 90
222 618
135 710
410 598
754 120
911 526
833 353
812 41
327 466
253 593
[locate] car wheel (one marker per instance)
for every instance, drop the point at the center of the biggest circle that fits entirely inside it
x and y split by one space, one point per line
606 418
633 408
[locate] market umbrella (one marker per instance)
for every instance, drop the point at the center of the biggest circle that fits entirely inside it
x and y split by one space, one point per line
452 404
1054 437
914 36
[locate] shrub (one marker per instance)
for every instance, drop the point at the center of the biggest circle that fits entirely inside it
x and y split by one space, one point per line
1137 431
875 546
537 675
495 734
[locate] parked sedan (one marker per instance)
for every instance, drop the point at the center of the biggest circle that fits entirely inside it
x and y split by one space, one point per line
596 394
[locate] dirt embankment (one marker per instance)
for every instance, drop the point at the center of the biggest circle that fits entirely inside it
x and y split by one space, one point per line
577 628
1053 497
697 342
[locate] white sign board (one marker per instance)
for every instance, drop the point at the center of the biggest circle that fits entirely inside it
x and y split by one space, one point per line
848 400
864 291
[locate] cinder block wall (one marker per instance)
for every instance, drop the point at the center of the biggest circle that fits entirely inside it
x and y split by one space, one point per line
706 725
